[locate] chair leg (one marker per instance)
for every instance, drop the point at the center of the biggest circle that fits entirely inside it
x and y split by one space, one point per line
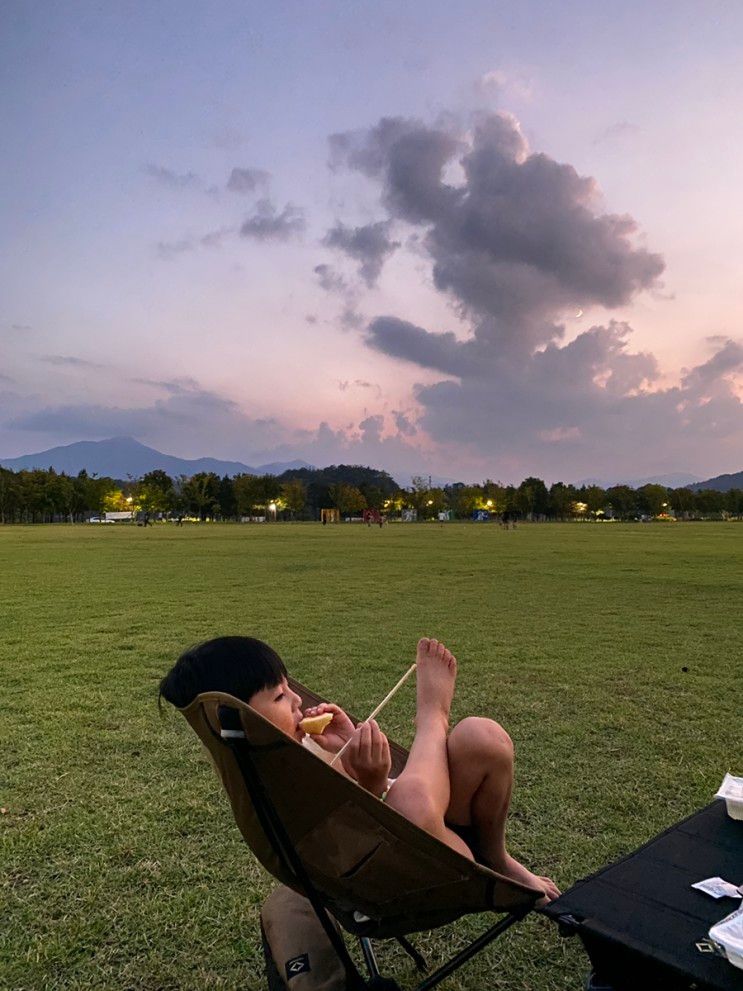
376 981
469 951
418 960
369 958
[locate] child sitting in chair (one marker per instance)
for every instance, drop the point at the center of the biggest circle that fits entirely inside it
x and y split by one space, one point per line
456 784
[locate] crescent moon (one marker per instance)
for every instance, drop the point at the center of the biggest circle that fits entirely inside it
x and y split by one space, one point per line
579 314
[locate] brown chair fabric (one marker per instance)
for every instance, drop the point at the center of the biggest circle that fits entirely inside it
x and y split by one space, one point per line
362 856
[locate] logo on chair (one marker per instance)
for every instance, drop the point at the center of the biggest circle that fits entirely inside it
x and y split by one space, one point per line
297 965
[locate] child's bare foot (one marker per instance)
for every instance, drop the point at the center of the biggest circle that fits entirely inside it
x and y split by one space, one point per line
436 673
510 867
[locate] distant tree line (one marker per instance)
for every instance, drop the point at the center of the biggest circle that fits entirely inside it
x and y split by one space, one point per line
47 496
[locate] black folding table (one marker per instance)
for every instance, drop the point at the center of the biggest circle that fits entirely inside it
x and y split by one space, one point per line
643 926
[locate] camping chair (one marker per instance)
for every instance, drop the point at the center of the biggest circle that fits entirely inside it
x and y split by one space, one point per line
352 856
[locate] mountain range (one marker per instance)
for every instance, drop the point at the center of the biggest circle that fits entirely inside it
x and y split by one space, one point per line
121 457
721 483
674 480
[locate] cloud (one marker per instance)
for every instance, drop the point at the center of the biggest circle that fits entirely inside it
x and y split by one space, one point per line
403 423
212 239
344 385
330 280
369 442
84 421
590 406
517 242
351 319
266 224
188 407
229 139
69 360
173 386
491 83
247 180
724 362
405 340
407 157
370 245
334 283
497 83
371 429
348 292
171 249
174 180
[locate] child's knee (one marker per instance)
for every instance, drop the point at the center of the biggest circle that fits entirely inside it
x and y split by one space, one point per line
483 738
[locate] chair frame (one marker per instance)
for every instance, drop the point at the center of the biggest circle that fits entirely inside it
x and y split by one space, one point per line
274 829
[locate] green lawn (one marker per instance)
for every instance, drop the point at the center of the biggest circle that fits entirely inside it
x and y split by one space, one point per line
611 654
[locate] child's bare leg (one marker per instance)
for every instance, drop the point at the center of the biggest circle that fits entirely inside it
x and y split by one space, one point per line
422 793
480 754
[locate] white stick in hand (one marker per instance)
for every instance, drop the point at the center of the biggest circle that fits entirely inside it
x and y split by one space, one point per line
379 708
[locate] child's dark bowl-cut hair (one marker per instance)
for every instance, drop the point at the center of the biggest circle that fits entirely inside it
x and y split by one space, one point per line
239 666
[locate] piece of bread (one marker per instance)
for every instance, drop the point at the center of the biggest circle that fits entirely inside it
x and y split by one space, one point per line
316 725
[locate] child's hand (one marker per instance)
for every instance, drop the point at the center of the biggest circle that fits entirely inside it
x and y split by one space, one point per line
367 758
337 732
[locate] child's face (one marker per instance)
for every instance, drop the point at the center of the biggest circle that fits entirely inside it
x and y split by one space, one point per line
280 706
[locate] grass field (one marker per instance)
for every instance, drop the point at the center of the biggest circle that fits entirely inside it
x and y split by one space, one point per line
120 865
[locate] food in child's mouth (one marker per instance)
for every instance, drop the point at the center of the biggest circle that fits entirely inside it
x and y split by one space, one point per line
316 725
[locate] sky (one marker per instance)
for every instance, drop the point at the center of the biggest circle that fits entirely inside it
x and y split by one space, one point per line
484 240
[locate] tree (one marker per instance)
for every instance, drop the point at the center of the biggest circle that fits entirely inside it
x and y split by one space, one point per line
294 495
375 496
594 497
464 499
347 498
417 495
436 503
734 501
561 499
226 498
493 497
709 502
681 500
532 497
201 493
246 494
114 501
623 500
268 489
652 499
9 503
154 492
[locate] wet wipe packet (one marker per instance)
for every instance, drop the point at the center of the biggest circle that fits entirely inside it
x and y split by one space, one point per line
719 888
